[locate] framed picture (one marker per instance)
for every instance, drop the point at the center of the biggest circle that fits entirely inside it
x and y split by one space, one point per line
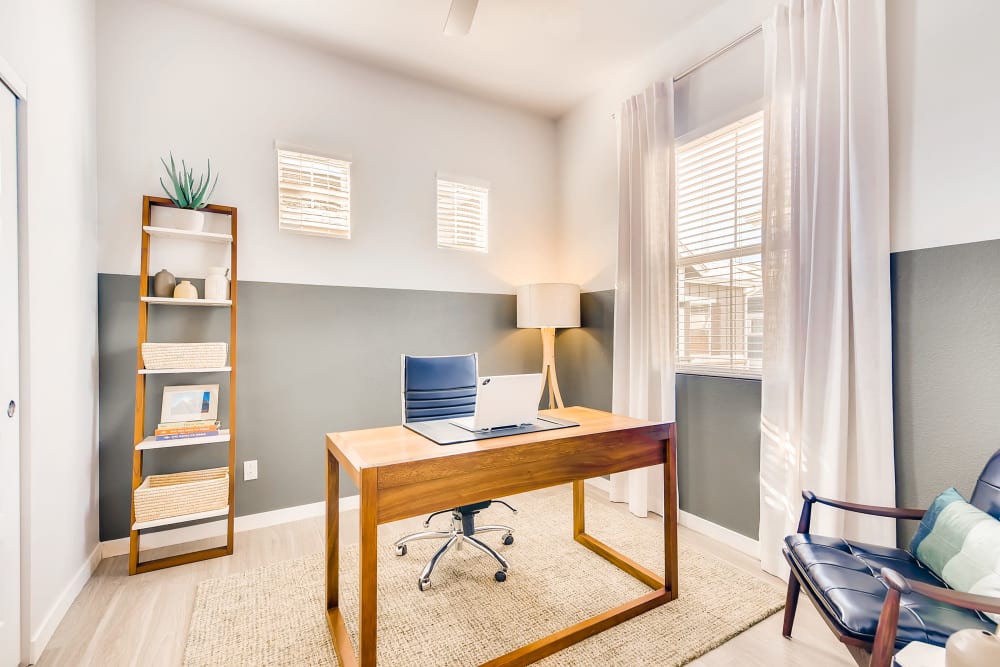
191 402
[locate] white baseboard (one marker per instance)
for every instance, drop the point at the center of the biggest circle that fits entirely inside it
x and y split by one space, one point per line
40 637
166 538
730 538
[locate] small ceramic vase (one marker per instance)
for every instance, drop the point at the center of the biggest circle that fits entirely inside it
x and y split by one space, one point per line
185 290
217 283
164 283
972 648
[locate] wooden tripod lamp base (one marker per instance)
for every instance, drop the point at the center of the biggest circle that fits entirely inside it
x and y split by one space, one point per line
549 367
548 306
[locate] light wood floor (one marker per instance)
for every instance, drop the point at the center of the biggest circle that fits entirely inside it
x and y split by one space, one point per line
143 620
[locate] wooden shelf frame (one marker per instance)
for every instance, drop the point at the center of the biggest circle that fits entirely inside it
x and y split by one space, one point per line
177 371
140 442
170 301
150 442
180 518
167 232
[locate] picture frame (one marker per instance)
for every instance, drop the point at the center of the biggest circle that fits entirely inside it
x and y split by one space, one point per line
193 402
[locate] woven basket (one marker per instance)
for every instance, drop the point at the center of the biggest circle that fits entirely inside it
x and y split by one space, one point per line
163 496
163 356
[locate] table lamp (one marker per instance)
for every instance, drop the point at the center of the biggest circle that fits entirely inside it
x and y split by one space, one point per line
547 306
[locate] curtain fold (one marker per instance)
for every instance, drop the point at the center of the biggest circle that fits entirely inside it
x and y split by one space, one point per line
643 365
826 413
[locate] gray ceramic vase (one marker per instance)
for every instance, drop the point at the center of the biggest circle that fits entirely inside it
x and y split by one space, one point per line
164 283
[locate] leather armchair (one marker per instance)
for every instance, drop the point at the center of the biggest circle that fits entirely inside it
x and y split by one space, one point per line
878 599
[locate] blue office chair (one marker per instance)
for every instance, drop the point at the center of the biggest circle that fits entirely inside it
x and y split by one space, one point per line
445 388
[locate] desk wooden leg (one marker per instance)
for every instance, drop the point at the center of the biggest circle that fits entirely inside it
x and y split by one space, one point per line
578 508
368 598
670 515
334 618
332 531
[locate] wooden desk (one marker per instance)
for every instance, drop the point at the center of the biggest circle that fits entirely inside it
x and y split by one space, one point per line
402 474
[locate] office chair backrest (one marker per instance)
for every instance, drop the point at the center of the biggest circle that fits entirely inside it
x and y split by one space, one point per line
986 495
439 387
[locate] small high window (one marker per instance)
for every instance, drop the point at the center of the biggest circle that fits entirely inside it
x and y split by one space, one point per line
462 214
314 194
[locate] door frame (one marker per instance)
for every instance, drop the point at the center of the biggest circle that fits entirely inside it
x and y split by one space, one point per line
10 79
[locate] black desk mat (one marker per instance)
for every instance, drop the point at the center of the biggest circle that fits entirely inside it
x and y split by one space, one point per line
443 432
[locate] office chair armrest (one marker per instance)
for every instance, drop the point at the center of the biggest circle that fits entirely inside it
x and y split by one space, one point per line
884 645
809 498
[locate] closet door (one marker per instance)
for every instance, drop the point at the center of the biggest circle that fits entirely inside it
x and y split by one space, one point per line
10 496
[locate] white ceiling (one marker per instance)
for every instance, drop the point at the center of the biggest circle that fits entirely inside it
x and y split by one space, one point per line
541 55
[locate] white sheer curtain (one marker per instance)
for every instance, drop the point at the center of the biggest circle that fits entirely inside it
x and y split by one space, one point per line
826 417
643 382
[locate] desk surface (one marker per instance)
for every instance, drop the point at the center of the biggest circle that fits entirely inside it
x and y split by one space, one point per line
393 445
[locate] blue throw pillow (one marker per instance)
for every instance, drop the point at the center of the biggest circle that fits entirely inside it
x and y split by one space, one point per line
961 544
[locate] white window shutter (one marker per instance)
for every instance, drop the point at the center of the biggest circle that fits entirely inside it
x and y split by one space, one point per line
314 194
719 279
462 215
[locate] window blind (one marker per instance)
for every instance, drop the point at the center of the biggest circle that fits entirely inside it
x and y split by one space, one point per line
314 194
462 215
719 278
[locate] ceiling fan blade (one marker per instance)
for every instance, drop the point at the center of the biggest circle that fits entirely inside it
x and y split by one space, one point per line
460 16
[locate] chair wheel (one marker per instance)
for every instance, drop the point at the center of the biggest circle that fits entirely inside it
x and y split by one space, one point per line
401 550
423 584
500 575
508 539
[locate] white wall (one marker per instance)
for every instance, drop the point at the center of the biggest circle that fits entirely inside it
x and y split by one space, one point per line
587 143
205 88
944 107
50 45
944 135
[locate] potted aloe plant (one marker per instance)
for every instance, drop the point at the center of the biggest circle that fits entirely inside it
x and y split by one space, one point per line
188 195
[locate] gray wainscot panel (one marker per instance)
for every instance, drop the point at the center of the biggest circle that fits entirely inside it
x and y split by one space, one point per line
946 368
718 420
312 359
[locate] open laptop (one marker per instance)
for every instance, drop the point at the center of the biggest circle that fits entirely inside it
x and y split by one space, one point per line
504 401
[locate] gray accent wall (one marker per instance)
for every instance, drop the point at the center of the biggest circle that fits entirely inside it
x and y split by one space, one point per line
718 450
583 356
946 368
718 419
946 389
311 359
315 359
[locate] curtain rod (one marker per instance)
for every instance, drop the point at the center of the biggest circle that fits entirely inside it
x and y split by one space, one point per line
709 58
712 56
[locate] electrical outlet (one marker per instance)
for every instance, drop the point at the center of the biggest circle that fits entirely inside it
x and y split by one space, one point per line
249 470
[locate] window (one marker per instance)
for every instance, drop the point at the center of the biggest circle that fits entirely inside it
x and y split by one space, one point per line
314 194
720 304
462 214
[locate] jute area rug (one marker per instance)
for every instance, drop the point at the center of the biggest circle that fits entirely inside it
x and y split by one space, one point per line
274 615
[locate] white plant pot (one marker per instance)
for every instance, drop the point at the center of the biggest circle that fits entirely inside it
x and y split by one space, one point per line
186 219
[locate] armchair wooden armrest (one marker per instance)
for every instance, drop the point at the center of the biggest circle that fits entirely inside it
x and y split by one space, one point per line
809 499
884 645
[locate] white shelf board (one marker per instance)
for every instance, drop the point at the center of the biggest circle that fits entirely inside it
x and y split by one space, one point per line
152 443
140 525
166 232
220 369
170 301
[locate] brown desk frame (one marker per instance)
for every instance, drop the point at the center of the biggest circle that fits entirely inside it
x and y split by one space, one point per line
402 474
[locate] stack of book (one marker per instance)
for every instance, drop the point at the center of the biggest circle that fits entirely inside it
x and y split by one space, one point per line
179 430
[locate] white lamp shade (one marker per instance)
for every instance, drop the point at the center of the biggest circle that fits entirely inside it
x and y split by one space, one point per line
548 305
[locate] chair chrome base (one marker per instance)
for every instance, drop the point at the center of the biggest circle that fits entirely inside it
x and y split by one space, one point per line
455 538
